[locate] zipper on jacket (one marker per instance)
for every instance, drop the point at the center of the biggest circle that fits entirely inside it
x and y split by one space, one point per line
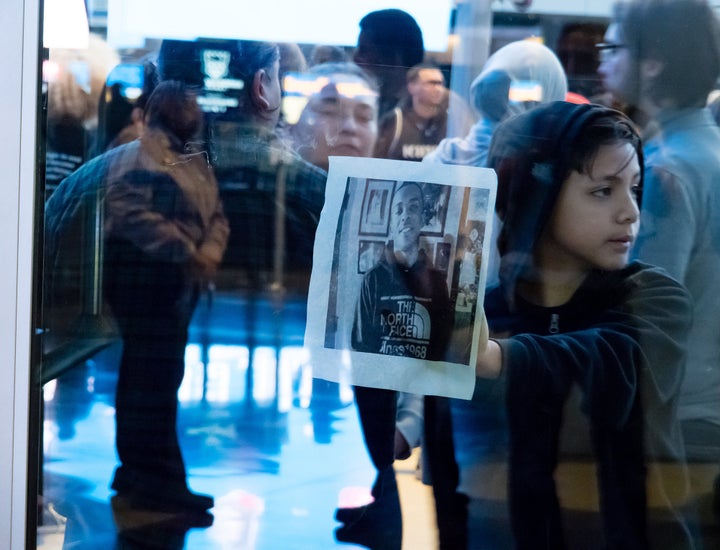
554 327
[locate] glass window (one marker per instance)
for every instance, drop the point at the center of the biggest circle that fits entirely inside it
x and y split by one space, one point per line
314 275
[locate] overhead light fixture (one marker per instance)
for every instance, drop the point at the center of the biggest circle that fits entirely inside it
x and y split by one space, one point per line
65 24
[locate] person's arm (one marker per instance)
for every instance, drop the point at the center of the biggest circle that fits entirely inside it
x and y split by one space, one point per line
409 424
644 337
489 361
74 195
210 252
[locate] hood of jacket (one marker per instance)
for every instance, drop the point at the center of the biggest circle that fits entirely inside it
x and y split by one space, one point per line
521 62
531 155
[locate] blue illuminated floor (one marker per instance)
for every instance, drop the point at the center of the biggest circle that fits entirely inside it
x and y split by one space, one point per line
277 451
277 464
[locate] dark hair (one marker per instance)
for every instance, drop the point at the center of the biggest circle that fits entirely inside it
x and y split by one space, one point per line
183 60
396 30
405 184
534 153
604 129
173 108
684 36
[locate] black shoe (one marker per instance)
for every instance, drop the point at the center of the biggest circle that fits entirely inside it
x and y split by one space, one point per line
180 500
169 534
377 525
349 515
132 520
452 522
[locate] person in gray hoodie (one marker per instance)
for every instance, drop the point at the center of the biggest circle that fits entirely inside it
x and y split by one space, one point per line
516 78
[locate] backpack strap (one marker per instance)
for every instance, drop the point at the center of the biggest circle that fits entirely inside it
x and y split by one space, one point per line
398 129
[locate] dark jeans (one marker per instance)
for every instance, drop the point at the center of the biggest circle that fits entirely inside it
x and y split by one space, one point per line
153 303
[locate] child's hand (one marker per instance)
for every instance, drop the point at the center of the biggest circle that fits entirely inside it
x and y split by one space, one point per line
489 359
484 334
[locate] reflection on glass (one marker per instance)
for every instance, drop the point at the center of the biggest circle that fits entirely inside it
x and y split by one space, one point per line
278 449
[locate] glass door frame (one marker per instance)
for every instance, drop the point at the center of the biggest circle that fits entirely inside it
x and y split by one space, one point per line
19 43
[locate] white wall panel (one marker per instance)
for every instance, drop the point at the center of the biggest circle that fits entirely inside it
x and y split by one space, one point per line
19 46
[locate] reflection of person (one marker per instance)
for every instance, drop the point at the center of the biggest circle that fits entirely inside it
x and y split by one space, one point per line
165 234
415 127
271 196
389 43
340 117
403 310
569 180
519 61
651 62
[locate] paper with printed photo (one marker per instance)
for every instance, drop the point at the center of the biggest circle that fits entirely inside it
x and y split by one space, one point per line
398 277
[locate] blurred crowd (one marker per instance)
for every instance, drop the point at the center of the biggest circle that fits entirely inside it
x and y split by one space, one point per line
193 168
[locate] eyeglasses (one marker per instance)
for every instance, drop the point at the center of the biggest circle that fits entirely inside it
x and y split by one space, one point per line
608 49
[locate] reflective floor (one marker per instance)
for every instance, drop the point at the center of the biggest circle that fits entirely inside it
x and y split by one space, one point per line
277 475
278 451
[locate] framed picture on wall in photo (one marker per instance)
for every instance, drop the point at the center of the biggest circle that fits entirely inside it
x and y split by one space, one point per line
436 205
442 256
369 253
375 215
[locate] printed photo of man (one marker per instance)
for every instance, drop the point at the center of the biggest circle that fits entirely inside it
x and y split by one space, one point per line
404 308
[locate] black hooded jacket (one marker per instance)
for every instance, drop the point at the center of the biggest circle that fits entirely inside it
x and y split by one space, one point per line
621 338
622 334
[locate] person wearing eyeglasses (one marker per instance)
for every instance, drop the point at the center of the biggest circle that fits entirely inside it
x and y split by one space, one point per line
616 75
663 57
414 128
